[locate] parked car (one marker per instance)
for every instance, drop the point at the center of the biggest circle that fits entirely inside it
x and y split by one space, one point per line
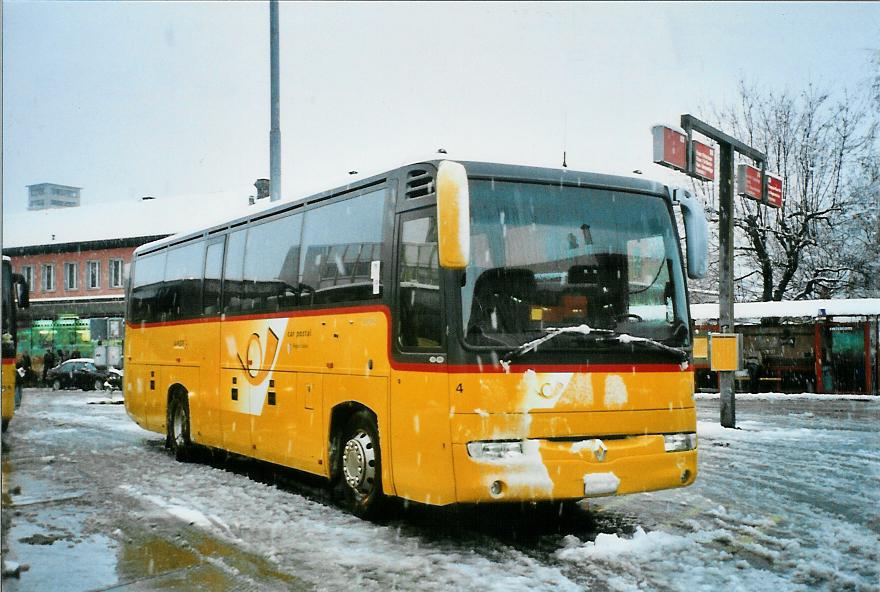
114 380
77 373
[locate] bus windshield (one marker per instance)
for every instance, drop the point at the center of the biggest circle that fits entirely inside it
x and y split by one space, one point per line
549 256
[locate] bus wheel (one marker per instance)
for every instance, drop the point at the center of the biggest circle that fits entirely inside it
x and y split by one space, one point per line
361 466
178 429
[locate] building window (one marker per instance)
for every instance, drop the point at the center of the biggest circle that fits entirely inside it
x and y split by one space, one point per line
28 272
116 266
70 276
48 277
93 275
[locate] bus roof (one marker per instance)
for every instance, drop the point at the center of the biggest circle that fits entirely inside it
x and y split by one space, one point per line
476 169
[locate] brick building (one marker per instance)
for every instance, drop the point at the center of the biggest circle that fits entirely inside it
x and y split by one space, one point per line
76 259
86 279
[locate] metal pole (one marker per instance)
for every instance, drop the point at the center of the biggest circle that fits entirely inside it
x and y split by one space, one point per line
275 130
725 283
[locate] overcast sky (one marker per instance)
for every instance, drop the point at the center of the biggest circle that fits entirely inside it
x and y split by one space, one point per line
170 98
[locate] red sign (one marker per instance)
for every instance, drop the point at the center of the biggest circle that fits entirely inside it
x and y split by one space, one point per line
670 147
748 181
704 161
774 191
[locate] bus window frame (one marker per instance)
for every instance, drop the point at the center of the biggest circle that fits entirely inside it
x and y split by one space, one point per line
416 353
207 243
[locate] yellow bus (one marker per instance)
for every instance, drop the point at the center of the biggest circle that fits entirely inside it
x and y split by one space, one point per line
15 296
443 332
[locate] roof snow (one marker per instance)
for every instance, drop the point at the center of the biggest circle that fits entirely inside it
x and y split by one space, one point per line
792 308
122 219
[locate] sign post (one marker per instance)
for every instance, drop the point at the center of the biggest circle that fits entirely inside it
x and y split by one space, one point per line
753 182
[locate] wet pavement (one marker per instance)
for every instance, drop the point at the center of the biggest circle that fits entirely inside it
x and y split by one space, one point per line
65 525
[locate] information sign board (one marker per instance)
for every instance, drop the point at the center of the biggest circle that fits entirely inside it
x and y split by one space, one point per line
774 191
704 161
670 147
748 182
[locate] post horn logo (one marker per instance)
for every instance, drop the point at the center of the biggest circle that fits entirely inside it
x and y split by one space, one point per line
257 360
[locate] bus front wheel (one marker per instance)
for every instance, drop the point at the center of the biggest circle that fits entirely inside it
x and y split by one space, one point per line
178 429
361 466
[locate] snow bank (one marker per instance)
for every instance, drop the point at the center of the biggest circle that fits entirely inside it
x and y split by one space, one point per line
613 548
791 308
796 396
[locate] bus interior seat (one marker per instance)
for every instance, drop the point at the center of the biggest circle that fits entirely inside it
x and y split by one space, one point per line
503 298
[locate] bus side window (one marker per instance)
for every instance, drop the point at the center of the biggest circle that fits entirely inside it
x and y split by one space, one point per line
233 272
270 264
149 271
420 323
213 271
181 295
339 243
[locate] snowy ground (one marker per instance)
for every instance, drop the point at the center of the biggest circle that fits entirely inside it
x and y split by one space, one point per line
790 501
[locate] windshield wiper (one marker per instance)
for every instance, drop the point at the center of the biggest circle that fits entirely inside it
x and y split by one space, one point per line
552 333
604 336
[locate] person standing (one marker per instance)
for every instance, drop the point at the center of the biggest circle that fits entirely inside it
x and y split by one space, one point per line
26 366
48 362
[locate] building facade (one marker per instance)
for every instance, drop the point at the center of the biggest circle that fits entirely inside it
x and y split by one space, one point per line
86 279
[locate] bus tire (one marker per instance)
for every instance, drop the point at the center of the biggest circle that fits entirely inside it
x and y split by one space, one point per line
178 428
360 466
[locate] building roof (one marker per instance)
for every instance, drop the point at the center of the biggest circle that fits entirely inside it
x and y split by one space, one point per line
53 185
119 219
791 309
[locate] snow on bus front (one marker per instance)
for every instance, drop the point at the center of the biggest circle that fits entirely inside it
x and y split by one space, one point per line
574 316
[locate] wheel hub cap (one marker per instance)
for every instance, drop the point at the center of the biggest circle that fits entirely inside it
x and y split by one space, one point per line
178 427
359 462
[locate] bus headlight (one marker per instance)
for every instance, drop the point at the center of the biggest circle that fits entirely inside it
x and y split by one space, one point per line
679 442
495 450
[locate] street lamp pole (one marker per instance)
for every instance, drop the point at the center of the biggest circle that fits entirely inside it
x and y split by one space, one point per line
275 130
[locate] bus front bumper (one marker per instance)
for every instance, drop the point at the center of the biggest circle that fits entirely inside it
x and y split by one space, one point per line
553 470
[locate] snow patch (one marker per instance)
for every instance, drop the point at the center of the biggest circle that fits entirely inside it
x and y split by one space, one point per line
189 515
616 394
618 549
523 474
596 484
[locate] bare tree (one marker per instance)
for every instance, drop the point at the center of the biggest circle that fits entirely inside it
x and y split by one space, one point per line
819 144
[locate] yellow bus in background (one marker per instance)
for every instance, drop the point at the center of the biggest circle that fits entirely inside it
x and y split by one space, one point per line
15 296
443 333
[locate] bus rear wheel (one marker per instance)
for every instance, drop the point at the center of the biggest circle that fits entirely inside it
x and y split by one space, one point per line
178 429
361 466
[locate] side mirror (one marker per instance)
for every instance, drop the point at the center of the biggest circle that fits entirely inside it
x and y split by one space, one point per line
697 233
22 295
453 215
